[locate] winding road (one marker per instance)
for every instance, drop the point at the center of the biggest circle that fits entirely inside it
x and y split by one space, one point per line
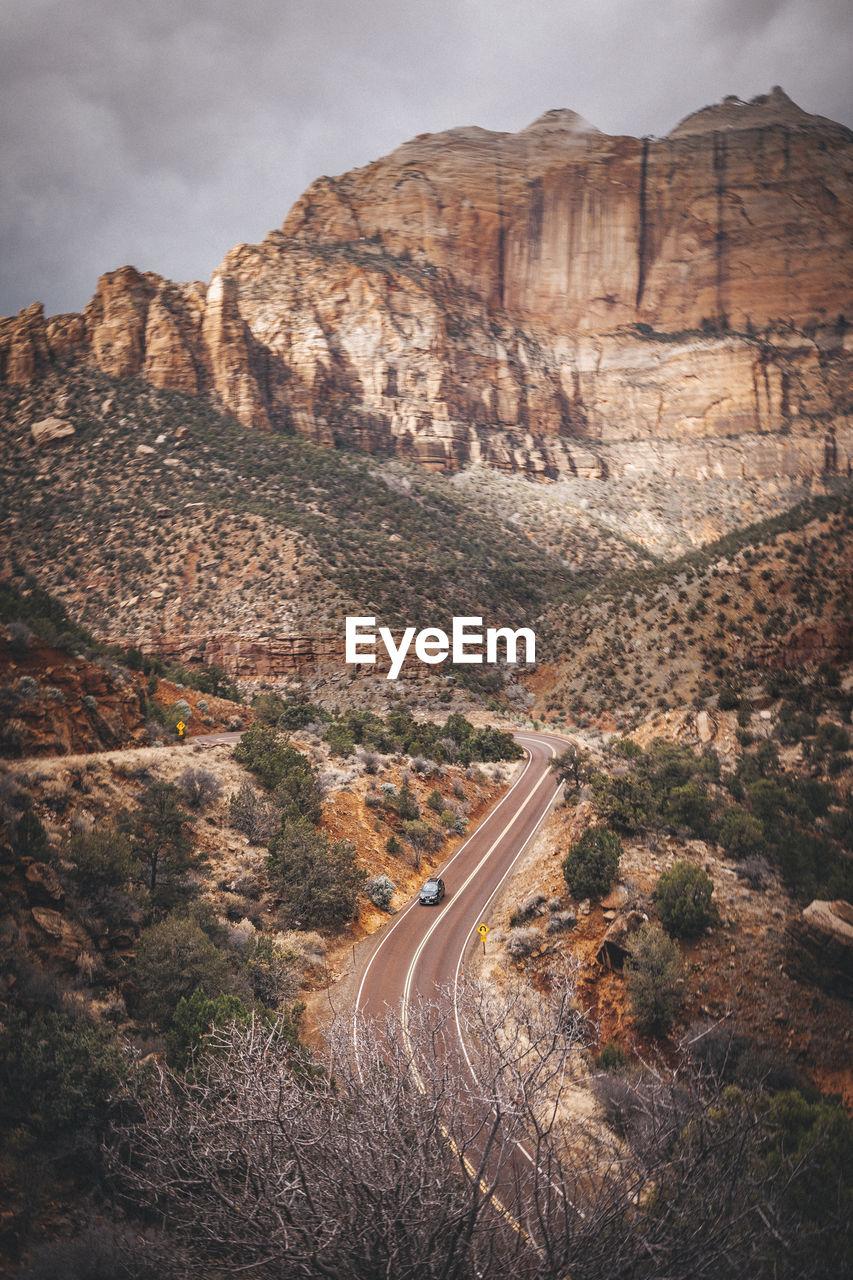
423 951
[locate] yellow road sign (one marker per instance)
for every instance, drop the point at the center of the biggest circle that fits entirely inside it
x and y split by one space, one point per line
180 726
483 929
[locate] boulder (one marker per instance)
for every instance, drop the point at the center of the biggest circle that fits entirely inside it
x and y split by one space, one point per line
43 887
820 947
615 944
68 940
49 430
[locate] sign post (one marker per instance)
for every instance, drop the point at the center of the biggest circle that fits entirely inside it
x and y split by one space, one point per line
483 930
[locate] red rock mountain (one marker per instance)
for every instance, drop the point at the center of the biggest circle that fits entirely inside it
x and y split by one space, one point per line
554 299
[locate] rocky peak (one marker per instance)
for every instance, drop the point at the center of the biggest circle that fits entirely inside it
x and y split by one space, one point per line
561 120
760 112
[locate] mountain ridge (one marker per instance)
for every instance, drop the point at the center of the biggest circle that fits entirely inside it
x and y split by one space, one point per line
471 284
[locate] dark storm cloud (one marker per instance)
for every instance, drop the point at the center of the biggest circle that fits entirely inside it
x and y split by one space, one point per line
162 133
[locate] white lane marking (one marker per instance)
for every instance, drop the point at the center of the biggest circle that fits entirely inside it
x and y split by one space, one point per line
407 986
501 1208
414 902
404 1017
460 891
519 1144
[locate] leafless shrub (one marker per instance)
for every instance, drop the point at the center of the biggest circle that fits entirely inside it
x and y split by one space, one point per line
561 921
239 934
344 1167
755 870
333 779
253 815
521 942
200 786
247 884
233 905
369 761
19 635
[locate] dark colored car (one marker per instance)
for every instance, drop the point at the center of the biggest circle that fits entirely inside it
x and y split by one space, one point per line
432 892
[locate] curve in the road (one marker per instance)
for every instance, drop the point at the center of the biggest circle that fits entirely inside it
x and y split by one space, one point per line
421 954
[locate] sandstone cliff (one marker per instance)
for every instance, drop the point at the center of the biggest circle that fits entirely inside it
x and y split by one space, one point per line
525 299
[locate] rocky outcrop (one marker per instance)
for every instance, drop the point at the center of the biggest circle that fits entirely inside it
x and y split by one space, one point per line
527 300
820 947
42 885
243 656
55 704
66 941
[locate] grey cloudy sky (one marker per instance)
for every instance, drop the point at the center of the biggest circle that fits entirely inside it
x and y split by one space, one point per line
162 132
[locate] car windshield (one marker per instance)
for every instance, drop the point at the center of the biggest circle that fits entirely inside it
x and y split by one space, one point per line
431 884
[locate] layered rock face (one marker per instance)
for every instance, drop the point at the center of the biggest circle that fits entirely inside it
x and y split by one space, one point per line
250 658
530 300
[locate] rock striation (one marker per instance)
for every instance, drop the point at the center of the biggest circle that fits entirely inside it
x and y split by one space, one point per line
525 300
246 657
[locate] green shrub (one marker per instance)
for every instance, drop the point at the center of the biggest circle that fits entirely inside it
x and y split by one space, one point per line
102 861
407 806
421 835
57 1073
194 1019
267 754
683 898
688 807
174 958
29 838
255 816
727 699
200 786
592 862
298 792
574 766
612 1058
160 844
435 801
740 833
317 881
271 970
654 979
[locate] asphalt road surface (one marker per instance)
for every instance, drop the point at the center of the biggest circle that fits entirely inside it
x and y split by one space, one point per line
421 954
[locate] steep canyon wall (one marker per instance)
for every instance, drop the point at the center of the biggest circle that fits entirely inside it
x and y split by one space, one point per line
551 300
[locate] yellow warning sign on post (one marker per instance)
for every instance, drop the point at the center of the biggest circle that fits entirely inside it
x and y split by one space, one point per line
180 726
483 929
